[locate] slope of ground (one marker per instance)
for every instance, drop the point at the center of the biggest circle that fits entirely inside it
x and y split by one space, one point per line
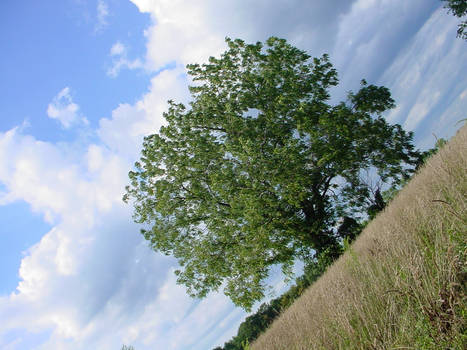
402 285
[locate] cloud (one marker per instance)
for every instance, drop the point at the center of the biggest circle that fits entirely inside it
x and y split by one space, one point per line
190 32
92 269
123 133
372 34
63 109
102 15
92 279
117 49
428 79
120 61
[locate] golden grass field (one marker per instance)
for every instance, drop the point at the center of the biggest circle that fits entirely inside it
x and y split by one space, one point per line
402 284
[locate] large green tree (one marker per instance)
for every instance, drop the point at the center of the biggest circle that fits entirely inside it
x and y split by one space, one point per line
258 170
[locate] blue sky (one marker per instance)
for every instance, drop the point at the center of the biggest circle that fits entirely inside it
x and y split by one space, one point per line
84 80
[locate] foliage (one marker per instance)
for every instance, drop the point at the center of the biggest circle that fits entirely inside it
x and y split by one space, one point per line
126 347
459 9
260 167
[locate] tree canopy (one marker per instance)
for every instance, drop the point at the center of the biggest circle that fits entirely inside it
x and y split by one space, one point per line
260 168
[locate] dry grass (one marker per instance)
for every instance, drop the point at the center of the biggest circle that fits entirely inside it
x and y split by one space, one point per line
402 285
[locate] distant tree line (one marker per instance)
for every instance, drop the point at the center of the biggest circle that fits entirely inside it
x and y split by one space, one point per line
258 322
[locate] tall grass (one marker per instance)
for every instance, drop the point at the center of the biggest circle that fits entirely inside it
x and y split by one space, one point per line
402 284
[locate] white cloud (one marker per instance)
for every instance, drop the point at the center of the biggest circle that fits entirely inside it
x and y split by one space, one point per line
93 266
102 15
63 109
371 35
190 32
92 279
117 49
427 79
463 95
124 132
118 52
421 108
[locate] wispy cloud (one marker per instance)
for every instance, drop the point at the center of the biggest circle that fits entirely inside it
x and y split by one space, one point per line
102 15
427 80
117 49
63 109
119 54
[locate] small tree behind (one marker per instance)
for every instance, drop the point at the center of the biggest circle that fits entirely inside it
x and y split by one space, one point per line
459 9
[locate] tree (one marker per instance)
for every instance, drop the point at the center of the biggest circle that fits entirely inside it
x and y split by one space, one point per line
459 9
259 168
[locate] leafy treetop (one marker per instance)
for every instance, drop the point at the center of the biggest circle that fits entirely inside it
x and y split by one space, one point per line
260 167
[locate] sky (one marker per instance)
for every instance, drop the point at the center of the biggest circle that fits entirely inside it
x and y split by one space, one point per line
83 81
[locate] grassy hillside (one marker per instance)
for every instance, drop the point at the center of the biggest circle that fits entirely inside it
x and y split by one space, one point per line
402 284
